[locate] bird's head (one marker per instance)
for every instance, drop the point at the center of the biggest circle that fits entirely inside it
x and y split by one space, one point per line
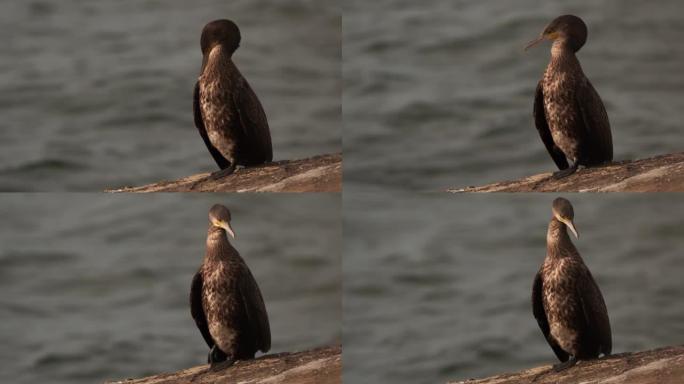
568 29
563 212
220 32
219 217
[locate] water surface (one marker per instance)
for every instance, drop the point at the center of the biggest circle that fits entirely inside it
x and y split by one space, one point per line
438 288
96 287
440 93
98 94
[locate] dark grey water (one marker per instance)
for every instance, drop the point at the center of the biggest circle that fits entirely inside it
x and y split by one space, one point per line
95 287
439 93
438 288
97 94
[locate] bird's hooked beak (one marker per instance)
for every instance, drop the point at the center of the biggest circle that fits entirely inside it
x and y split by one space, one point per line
570 225
226 226
539 39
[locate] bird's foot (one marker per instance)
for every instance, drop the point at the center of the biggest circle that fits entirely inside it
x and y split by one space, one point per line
222 365
556 368
216 355
223 173
565 173
563 366
218 175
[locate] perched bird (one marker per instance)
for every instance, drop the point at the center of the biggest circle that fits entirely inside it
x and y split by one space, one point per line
228 115
568 112
566 301
225 300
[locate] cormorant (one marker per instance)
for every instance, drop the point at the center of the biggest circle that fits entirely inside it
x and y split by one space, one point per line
225 300
566 301
228 114
568 112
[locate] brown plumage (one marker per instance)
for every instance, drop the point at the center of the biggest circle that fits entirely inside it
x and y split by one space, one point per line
568 112
228 114
225 300
566 301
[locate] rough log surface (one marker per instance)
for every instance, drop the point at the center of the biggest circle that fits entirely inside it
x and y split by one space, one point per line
658 366
315 174
322 366
657 174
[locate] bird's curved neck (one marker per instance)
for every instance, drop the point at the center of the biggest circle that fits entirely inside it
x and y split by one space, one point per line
557 240
561 51
216 58
217 238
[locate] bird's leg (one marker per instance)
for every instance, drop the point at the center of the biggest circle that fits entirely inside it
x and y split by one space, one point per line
224 172
566 172
563 366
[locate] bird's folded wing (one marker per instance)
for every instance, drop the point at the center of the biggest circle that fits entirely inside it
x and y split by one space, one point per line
256 311
595 312
197 310
254 124
596 121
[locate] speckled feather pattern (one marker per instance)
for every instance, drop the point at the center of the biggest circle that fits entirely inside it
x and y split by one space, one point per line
221 300
221 119
560 301
574 123
568 291
561 79
230 113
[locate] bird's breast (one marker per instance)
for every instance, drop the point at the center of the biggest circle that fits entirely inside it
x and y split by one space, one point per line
223 334
561 109
218 109
560 298
220 303
559 285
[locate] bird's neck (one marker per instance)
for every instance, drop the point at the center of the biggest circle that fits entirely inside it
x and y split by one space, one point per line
562 54
215 59
557 240
217 238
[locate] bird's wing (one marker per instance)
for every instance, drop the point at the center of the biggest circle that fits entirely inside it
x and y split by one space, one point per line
221 161
197 310
256 147
544 131
595 312
255 310
540 315
596 123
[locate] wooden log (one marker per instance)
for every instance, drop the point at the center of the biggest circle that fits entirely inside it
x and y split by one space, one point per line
315 174
323 365
657 174
658 366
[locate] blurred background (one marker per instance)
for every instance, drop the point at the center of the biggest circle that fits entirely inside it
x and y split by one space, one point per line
96 287
438 288
98 94
439 94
